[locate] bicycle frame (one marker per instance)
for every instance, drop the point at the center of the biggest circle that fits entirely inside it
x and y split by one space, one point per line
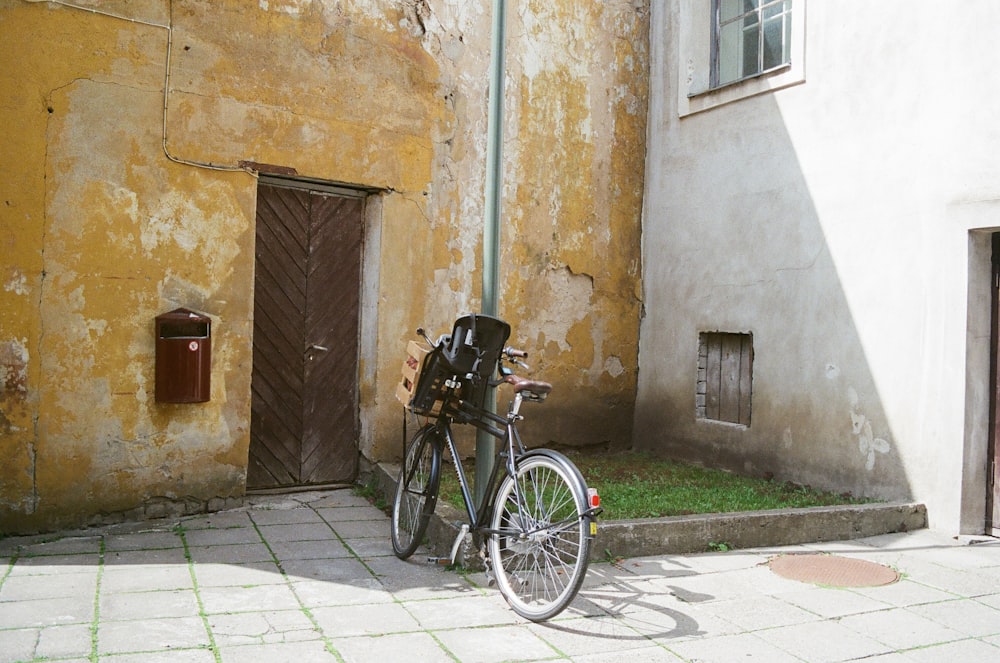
503 461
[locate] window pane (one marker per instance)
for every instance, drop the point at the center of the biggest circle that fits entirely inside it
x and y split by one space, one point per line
753 36
777 26
786 51
730 9
773 43
730 50
751 46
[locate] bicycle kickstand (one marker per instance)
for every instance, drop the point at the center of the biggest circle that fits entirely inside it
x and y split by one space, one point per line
446 561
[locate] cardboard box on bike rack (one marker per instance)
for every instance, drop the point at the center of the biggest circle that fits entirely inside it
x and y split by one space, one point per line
413 368
410 371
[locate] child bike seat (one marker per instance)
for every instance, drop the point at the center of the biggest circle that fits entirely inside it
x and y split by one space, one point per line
475 345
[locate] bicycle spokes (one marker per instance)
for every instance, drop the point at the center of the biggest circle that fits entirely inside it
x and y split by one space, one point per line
416 492
539 549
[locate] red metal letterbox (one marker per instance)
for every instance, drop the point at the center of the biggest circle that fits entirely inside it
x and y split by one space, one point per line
183 357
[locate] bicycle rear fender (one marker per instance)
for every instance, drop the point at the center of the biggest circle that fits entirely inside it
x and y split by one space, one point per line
563 461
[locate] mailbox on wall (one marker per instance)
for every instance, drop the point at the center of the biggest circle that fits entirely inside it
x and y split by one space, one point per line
183 357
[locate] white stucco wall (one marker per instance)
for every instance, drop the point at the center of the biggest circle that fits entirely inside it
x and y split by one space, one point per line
842 221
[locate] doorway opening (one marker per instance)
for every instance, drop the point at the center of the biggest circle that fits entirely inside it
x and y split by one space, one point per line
993 450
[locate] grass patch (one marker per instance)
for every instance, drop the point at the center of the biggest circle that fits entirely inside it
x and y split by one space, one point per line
637 485
370 491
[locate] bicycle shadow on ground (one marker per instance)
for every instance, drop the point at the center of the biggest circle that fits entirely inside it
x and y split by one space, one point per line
616 603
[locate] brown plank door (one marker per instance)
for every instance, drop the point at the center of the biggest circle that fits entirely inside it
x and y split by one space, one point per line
304 407
993 457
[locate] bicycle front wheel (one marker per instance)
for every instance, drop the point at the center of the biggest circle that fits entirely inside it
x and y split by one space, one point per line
540 544
416 491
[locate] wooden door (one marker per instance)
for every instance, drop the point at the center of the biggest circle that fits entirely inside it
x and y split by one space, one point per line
993 456
304 407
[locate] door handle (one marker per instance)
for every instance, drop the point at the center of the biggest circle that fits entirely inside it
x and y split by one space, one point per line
319 348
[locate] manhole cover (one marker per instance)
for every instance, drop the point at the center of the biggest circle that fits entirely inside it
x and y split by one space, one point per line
832 570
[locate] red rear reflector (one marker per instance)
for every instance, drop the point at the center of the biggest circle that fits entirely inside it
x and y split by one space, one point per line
594 498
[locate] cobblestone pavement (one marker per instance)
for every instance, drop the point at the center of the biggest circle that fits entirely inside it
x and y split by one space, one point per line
311 577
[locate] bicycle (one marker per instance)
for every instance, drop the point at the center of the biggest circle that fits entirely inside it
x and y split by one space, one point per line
537 517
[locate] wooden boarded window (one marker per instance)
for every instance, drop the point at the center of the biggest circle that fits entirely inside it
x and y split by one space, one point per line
725 371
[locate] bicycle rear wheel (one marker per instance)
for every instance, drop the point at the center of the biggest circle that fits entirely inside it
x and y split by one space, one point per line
416 491
541 545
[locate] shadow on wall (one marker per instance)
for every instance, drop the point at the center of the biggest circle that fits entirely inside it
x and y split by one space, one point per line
736 249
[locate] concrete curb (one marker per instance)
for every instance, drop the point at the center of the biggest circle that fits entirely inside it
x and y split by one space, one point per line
754 529
698 533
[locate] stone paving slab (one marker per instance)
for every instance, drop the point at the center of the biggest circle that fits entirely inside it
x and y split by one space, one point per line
311 577
262 627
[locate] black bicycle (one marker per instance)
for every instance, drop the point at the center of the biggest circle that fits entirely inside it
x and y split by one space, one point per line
537 517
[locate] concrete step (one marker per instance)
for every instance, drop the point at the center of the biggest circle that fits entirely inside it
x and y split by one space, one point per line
698 533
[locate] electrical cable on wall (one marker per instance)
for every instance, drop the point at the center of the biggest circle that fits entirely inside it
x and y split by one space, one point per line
166 79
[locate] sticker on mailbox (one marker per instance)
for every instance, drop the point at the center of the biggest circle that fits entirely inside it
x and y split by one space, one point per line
193 346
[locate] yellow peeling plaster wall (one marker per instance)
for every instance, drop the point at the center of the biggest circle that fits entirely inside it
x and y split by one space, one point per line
101 231
575 162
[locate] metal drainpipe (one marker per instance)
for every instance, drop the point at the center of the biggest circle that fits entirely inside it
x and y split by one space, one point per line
485 443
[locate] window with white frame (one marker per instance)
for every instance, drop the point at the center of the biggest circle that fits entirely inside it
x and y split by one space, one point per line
734 49
749 38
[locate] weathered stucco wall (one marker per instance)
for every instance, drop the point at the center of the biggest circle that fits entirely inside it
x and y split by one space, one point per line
833 221
576 162
119 203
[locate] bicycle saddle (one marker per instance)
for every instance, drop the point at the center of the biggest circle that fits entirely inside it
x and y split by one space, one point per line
533 390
